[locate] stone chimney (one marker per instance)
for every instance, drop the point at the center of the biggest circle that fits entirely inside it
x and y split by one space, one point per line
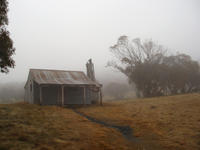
90 70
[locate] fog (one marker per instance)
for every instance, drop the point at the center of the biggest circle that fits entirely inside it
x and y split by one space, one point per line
11 92
60 34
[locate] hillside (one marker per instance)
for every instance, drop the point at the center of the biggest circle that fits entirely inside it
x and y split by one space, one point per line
157 123
171 122
25 126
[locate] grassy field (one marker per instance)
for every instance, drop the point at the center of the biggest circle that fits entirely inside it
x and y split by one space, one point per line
168 123
26 126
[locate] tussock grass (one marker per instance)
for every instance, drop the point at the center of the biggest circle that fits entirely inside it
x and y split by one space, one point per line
167 123
171 122
25 127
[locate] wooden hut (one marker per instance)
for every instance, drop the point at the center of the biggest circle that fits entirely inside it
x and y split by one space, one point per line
60 87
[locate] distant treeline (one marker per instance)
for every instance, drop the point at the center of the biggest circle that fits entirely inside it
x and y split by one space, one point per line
147 65
11 92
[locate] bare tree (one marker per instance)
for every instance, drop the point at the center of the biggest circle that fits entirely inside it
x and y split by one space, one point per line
135 52
130 57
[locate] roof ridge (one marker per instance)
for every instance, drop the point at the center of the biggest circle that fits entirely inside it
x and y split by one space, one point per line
54 70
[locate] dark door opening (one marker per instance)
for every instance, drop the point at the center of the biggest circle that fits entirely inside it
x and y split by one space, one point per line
73 95
50 95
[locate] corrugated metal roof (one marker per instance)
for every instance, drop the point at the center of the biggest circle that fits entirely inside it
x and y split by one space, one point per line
62 77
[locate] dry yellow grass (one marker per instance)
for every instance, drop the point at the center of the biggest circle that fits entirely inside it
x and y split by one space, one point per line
26 126
171 122
166 123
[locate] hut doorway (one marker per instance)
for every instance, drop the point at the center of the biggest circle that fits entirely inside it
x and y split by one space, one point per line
50 95
73 95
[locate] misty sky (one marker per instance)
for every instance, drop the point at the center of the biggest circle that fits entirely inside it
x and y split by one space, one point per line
64 34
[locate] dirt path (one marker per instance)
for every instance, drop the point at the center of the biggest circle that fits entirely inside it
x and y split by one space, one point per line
126 131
